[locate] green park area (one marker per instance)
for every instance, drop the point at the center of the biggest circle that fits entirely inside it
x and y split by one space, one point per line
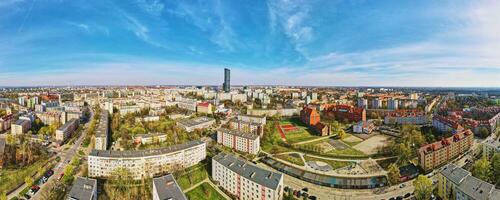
191 176
333 163
291 158
331 148
11 178
204 192
303 133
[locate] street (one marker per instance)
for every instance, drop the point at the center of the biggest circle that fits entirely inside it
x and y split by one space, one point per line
66 157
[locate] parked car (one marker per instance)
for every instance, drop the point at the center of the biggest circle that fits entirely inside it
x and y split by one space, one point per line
399 198
407 195
312 197
305 189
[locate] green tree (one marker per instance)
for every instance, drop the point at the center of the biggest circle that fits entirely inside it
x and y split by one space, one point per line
495 165
483 132
29 181
423 187
393 173
482 169
3 196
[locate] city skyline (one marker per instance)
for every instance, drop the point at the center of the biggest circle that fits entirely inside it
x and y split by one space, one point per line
301 43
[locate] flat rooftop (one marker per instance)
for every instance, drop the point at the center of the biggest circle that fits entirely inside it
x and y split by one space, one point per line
83 188
249 171
143 153
167 188
239 133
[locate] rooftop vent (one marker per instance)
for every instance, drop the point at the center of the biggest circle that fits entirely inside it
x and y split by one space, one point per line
252 175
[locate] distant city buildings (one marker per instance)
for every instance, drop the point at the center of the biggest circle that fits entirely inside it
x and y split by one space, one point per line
345 113
406 117
226 86
245 180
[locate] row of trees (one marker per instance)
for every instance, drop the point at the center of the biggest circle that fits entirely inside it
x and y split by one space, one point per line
20 152
486 170
406 146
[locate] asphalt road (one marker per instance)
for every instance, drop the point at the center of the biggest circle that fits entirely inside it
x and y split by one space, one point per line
66 157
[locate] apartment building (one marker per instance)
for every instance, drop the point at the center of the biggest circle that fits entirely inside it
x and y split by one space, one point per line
439 153
128 109
490 147
204 107
83 189
245 180
197 123
446 124
240 141
362 103
166 187
102 132
149 138
252 119
364 127
345 113
50 118
65 131
21 126
457 183
5 122
311 118
188 104
247 127
146 163
404 117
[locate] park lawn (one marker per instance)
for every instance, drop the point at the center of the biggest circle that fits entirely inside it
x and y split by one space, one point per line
350 143
347 152
274 149
333 163
303 134
192 176
11 178
291 159
204 191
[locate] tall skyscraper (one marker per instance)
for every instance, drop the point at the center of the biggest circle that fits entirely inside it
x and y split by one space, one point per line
227 80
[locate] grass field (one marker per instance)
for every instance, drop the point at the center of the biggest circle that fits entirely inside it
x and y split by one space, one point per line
10 178
334 164
348 152
292 159
303 134
192 176
204 191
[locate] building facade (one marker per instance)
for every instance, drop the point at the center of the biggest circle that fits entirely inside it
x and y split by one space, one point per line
404 117
102 132
455 182
146 163
65 131
21 126
240 141
439 153
245 180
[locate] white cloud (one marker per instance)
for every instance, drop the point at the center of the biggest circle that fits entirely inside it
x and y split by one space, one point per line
153 7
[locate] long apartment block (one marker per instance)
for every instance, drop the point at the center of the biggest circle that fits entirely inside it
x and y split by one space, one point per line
146 163
245 180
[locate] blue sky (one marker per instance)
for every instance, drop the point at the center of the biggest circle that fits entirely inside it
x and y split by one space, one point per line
283 42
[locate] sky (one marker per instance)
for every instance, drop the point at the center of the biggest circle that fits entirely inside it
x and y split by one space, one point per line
284 42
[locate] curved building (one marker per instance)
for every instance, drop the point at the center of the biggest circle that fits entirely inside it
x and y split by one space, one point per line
146 163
